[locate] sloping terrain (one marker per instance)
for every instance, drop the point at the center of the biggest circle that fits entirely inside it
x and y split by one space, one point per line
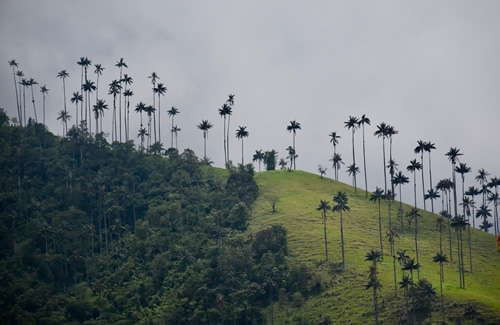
345 300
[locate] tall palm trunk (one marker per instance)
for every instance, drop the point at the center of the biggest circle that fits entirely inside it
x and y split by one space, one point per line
227 135
33 101
342 238
225 145
364 163
401 208
375 304
18 106
159 118
380 231
385 171
441 283
423 182
326 242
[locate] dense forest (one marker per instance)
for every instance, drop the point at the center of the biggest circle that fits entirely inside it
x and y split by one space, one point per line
93 232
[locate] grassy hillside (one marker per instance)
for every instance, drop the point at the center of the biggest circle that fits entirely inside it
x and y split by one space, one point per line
345 298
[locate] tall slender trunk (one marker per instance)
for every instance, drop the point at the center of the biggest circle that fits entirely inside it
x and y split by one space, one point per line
423 182
449 225
33 101
326 242
225 145
17 97
394 265
159 118
401 208
430 171
364 163
441 283
227 135
205 146
416 245
342 238
353 159
380 231
385 171
21 115
242 163
375 304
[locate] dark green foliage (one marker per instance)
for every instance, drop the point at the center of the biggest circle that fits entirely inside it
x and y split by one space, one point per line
270 159
95 232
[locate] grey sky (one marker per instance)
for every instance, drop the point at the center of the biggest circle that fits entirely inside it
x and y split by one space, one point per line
430 68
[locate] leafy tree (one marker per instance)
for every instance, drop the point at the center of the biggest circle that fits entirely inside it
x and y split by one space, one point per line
351 124
322 170
44 90
412 168
172 112
432 194
324 207
270 158
63 75
482 178
453 155
13 63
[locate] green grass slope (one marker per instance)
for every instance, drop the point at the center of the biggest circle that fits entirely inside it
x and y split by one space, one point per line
345 298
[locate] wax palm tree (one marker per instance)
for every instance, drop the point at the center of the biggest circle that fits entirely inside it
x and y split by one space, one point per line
120 64
114 89
402 258
176 130
447 215
154 77
440 227
127 81
160 89
352 170
494 198
391 235
392 166
428 147
77 97
142 134
293 127
468 206
440 258
139 108
337 161
334 140
432 194
400 180
341 206
377 196
420 149
351 124
495 183
205 126
15 65
411 265
98 71
391 131
258 156
230 103
64 117
242 133
459 223
149 111
463 169
485 225
88 87
99 108
324 207
25 83
127 94
414 214
44 90
382 133
405 284
482 178
172 113
20 76
374 256
453 155
473 191
223 112
63 75
362 121
84 63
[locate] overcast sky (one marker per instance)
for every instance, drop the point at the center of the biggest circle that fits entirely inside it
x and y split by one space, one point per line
430 68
